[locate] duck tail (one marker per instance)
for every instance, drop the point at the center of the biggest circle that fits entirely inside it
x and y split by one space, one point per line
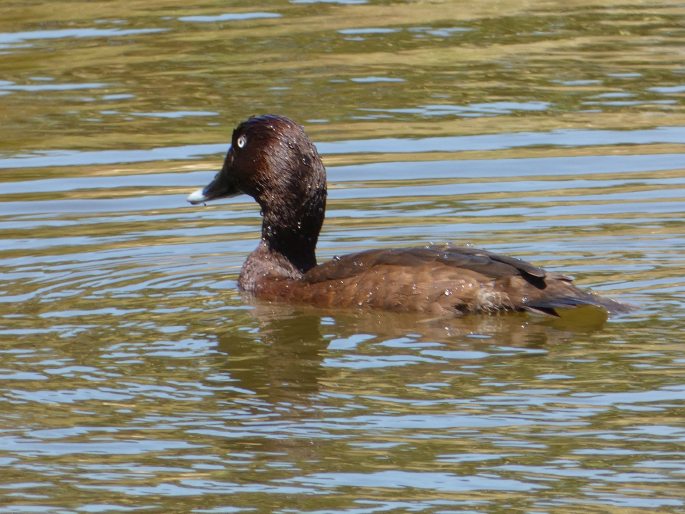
552 306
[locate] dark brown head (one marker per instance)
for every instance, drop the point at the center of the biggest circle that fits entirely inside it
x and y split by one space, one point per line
272 160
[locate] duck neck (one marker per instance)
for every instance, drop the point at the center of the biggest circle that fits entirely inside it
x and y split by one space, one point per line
293 233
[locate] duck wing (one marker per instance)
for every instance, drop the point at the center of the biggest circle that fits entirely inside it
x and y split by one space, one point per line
443 280
483 262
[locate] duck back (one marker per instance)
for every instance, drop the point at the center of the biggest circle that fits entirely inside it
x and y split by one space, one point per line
439 280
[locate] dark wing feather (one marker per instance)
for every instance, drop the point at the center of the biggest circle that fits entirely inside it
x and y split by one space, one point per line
486 263
574 297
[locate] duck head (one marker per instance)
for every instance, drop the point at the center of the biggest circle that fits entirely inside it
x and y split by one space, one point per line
273 160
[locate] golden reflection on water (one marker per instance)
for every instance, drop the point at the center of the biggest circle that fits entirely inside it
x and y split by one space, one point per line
136 376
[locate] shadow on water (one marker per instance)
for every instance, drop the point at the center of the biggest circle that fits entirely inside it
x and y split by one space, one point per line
283 351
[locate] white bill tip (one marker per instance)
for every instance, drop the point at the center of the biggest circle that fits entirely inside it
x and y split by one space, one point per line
197 197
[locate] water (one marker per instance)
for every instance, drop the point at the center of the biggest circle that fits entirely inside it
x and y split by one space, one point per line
134 378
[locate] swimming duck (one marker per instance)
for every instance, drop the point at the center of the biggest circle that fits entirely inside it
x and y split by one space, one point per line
273 160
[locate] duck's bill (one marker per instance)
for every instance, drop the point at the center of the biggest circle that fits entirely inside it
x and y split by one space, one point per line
217 188
197 196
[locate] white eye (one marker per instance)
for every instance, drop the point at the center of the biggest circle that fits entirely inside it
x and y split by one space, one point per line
242 140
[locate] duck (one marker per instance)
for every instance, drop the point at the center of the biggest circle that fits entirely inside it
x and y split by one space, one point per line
272 159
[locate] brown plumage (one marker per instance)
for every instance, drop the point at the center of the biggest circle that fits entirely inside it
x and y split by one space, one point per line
272 159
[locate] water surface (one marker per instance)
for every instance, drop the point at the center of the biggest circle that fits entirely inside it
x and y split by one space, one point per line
134 377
